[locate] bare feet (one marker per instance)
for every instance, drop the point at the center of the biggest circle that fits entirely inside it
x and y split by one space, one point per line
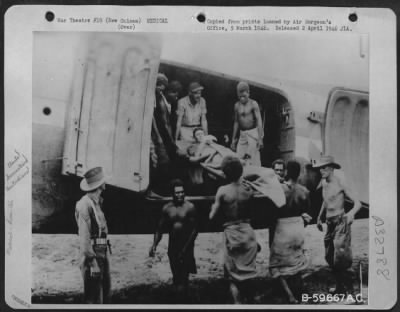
235 293
288 291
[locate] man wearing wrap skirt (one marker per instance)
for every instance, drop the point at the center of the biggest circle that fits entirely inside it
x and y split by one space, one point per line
248 125
240 242
287 250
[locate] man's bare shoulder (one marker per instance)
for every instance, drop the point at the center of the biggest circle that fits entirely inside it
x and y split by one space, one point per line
168 206
254 103
222 189
228 191
236 106
302 190
336 180
190 206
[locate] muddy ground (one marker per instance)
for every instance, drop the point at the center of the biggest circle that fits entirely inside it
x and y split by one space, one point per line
138 279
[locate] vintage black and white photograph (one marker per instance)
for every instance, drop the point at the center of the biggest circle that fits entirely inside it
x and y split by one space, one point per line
200 168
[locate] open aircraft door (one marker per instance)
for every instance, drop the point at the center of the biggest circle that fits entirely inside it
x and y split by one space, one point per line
109 119
347 137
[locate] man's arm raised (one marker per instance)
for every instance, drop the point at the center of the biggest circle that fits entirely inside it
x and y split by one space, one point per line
217 204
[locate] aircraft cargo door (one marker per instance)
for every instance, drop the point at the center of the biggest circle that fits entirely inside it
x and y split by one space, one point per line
347 137
109 122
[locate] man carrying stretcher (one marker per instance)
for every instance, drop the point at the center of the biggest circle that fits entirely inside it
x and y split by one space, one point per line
240 241
206 157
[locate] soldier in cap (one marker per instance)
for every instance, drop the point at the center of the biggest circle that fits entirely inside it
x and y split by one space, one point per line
248 122
337 239
191 113
92 231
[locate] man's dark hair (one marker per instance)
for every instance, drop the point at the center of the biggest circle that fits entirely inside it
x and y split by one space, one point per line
174 86
197 129
293 170
175 183
278 162
232 168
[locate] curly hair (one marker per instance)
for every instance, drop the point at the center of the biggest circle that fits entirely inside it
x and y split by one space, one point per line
232 168
197 129
174 183
293 169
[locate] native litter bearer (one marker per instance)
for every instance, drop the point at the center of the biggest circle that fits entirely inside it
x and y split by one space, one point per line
93 243
241 246
248 122
337 239
287 257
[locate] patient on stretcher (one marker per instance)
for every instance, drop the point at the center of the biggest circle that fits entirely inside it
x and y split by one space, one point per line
205 158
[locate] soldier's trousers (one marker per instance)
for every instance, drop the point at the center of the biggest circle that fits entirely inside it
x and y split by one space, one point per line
97 290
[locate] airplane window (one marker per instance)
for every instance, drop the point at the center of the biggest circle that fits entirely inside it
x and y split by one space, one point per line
47 111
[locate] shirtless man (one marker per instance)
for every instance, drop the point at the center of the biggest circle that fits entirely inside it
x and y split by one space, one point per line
179 219
337 239
240 241
248 121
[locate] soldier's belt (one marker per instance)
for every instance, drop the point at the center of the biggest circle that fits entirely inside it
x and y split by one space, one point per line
99 241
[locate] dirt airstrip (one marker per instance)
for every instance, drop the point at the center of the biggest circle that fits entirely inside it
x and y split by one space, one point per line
138 279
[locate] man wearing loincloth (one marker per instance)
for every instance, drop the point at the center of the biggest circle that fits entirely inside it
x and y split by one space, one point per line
247 119
240 241
92 231
337 239
287 258
179 219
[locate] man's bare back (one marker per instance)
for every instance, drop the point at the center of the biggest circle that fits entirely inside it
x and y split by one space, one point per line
233 199
240 247
246 114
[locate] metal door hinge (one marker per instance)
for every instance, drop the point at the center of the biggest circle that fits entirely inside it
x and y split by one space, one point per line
316 117
137 176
